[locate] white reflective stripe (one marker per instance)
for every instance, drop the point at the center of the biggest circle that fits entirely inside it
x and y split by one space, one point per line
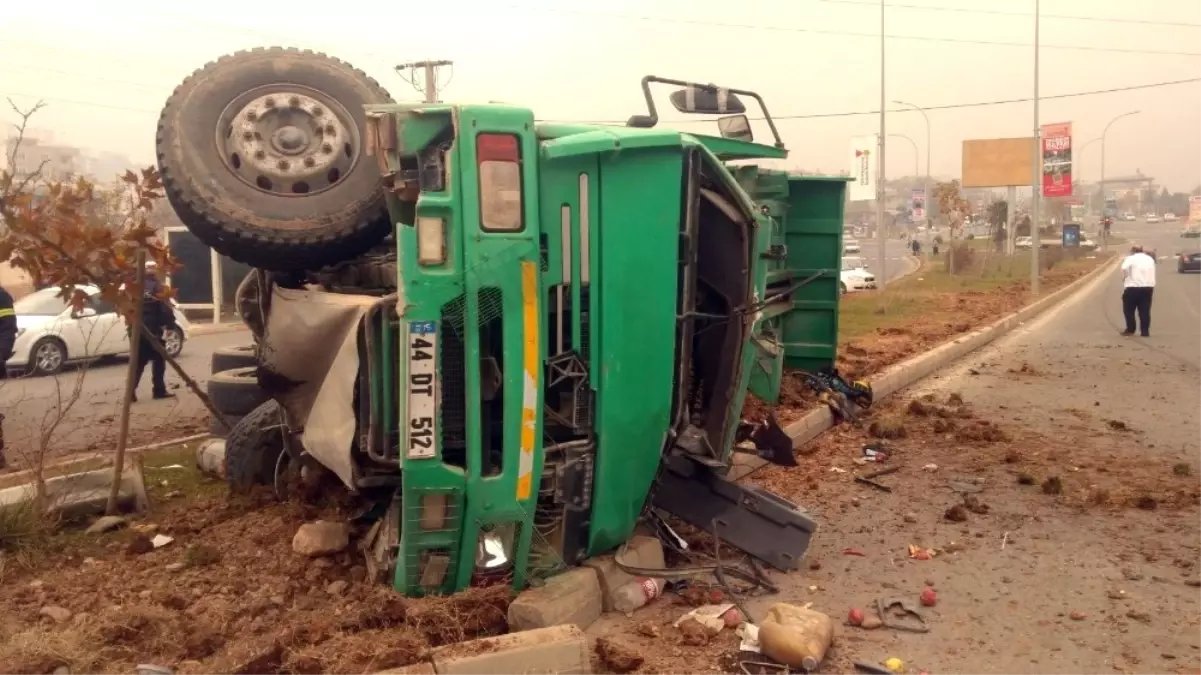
690 98
723 96
585 224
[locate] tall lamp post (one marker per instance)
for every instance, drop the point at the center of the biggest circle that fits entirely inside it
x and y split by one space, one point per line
926 185
881 233
1104 238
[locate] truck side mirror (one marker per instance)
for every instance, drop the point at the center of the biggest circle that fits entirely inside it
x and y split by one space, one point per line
736 127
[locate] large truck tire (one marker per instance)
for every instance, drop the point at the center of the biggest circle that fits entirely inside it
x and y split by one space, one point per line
236 391
254 447
228 358
263 157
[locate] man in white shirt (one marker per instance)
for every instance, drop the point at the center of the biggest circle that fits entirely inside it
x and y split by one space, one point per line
1138 281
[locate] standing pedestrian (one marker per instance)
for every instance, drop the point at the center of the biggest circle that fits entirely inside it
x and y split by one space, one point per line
1138 285
157 316
8 335
916 246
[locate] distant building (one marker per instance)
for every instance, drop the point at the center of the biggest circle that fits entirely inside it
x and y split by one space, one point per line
57 162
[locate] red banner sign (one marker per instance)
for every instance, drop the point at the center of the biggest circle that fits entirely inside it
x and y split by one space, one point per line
1057 159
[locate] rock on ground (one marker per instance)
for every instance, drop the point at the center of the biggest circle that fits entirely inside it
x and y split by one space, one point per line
321 538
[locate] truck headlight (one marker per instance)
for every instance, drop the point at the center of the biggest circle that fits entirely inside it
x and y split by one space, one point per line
431 241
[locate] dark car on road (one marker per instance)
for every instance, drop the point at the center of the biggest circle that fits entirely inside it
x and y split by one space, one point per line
1189 259
1192 232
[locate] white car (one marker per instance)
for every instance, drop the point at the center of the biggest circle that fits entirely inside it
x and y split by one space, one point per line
850 246
1152 218
1169 217
1024 243
855 276
50 334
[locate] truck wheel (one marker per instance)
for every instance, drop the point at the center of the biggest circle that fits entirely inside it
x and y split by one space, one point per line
236 391
216 428
254 448
228 358
262 154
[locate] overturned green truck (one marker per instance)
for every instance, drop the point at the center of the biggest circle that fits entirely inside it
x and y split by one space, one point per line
516 339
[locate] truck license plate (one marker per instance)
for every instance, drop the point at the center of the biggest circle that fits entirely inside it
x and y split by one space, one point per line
422 390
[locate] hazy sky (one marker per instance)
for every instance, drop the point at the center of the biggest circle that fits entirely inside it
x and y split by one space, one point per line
105 70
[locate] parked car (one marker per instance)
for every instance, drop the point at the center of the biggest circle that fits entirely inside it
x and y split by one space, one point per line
855 275
850 246
51 334
1152 218
1088 244
1023 243
1189 260
1128 217
1191 232
1169 217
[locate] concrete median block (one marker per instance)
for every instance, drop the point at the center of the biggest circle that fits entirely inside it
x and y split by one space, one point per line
573 597
558 649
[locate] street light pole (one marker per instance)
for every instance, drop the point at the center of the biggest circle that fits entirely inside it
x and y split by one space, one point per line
881 233
1104 238
926 185
1035 235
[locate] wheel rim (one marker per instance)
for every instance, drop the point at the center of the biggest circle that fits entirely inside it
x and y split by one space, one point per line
288 140
172 342
49 357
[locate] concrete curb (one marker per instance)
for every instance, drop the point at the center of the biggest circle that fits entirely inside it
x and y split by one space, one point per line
901 375
131 454
197 329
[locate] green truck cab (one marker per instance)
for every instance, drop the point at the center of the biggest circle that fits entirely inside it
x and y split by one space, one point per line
578 315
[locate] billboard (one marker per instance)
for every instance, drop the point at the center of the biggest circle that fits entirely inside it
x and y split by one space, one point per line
998 162
918 203
863 169
1194 209
1057 159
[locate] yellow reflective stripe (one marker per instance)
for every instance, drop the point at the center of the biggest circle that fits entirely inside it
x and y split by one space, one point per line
529 362
7 312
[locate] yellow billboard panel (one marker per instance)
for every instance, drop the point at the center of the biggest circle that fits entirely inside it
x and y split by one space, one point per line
998 162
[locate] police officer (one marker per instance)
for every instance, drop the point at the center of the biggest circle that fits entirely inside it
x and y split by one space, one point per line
8 335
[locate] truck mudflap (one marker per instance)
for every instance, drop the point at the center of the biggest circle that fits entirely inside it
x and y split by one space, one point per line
760 523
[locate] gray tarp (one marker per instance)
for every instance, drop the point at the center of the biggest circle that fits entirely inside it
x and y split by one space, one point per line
311 341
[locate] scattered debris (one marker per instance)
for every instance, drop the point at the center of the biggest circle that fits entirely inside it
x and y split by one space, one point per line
795 636
1117 425
874 453
930 467
106 524
139 544
869 479
618 657
854 552
1138 616
174 567
1147 503
972 503
910 517
855 616
918 409
649 629
928 597
919 553
955 514
1025 479
955 398
888 428
1078 616
1013 456
899 614
151 669
871 622
964 488
1053 486
1116 595
200 555
895 665
55 613
1182 469
942 426
1004 540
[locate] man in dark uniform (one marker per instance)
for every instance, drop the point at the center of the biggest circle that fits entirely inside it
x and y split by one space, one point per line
8 335
157 316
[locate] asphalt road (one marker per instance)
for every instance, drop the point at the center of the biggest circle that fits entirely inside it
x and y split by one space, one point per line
1092 579
896 254
31 405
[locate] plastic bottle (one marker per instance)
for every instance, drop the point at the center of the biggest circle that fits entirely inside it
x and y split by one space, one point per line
637 593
